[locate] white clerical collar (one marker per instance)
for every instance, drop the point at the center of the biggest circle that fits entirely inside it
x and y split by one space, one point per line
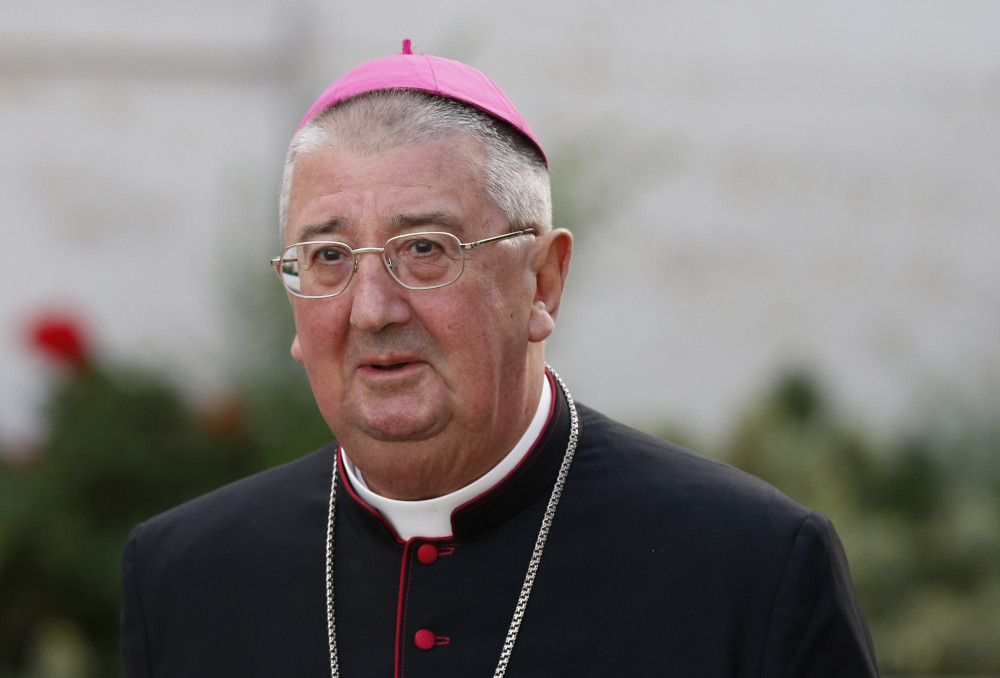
431 518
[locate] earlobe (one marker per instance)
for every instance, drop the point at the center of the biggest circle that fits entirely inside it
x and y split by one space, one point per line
296 349
550 265
541 324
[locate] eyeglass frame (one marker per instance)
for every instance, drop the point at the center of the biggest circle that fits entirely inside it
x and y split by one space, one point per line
388 264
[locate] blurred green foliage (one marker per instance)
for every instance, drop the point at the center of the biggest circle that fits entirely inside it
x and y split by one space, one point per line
123 446
919 517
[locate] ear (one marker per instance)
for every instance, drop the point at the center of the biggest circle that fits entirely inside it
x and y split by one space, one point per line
550 267
296 349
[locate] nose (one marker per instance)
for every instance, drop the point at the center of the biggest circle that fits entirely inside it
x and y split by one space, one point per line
378 300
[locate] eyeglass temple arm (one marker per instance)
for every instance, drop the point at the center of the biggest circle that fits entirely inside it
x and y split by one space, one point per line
502 236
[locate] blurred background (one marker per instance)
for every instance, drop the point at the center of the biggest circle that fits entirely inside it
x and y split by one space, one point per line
787 222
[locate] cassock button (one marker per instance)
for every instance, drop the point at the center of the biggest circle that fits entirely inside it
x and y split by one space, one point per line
425 639
427 554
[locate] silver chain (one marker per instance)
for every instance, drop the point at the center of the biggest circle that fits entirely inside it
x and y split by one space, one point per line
529 577
331 622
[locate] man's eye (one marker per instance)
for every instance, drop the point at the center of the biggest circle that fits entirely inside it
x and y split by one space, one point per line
422 247
329 254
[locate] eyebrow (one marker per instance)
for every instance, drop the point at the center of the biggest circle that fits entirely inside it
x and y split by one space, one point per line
326 228
397 222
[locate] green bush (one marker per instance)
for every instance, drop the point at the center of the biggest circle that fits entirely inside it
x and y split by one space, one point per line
919 518
123 446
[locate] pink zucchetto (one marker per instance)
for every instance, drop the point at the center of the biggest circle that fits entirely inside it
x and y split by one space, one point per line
435 75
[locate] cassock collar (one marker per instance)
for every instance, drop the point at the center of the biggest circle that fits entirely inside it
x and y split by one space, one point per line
529 478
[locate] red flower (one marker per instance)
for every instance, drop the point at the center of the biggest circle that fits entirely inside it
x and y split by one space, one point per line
61 338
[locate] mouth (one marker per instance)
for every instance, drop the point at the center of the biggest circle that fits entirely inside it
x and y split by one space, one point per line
390 363
391 372
390 367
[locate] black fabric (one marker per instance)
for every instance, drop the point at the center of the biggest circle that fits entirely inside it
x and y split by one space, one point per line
659 563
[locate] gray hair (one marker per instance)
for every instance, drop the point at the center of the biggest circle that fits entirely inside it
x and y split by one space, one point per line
515 176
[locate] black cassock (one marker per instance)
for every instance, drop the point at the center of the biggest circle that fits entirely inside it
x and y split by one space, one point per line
659 563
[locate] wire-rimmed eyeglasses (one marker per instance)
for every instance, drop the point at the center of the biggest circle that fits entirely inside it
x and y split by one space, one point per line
417 261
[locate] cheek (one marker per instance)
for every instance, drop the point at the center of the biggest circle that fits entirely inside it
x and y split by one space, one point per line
507 302
493 324
318 330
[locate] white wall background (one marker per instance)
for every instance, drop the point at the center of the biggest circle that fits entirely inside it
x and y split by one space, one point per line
755 185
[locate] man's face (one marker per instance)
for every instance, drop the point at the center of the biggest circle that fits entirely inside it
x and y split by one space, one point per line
426 389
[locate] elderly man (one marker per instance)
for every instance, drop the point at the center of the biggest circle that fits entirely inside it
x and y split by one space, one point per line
472 519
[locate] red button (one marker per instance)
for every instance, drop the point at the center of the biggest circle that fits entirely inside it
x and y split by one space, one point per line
427 554
425 639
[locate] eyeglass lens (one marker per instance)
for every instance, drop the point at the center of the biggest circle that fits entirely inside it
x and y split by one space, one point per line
417 260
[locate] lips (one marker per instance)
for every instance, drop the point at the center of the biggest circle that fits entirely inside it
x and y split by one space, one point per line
393 366
389 363
391 373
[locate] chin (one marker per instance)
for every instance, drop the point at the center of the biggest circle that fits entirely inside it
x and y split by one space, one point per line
390 425
411 414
